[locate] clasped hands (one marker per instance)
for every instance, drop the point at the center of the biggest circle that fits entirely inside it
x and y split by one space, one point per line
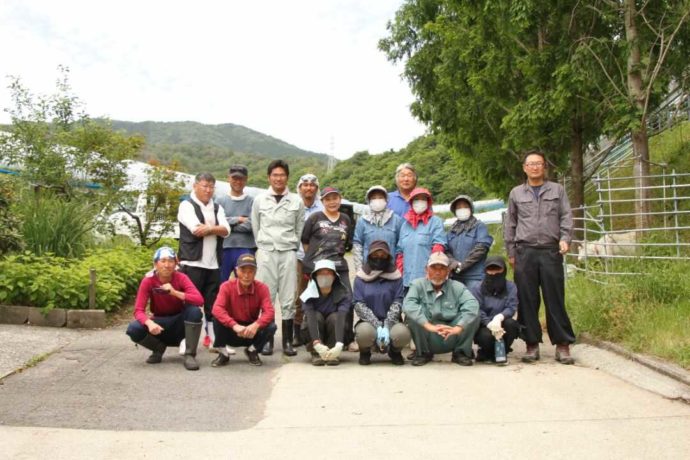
328 354
443 330
383 337
246 332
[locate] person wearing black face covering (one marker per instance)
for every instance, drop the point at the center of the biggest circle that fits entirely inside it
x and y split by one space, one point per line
498 302
378 296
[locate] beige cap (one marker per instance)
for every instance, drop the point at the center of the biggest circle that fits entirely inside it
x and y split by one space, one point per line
438 258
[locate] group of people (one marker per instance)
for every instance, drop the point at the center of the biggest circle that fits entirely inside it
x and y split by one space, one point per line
414 283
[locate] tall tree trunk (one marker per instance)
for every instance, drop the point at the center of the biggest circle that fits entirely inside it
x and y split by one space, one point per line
577 193
639 135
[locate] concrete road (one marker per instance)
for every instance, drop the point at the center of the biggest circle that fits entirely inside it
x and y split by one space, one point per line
96 398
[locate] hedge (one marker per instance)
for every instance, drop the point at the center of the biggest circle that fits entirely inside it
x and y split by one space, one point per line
55 282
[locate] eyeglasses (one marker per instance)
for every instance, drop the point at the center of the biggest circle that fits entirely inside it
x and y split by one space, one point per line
308 178
534 164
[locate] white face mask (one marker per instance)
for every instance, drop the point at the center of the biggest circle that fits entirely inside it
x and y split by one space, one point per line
419 206
325 281
377 204
463 214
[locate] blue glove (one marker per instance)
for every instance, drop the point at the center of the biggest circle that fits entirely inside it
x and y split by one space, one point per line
383 337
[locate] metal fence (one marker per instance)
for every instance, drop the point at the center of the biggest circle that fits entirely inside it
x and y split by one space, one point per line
606 233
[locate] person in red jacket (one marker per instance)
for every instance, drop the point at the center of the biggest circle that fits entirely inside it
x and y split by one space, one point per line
243 314
174 304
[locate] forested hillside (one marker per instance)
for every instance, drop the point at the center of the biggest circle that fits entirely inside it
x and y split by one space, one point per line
196 147
438 171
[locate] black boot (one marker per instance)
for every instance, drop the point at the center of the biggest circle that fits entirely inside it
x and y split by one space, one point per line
156 346
268 348
192 331
287 330
296 336
364 357
395 356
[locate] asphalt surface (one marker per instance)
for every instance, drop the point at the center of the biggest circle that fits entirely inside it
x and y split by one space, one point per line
95 397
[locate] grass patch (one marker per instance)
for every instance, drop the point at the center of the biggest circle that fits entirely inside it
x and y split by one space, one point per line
648 313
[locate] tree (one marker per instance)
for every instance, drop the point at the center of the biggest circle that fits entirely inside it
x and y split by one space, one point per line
645 50
10 238
495 78
58 147
155 214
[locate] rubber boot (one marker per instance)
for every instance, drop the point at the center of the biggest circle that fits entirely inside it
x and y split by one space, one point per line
156 346
296 336
192 331
268 348
287 331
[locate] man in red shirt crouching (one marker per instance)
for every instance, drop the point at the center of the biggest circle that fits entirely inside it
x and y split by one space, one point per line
243 314
174 304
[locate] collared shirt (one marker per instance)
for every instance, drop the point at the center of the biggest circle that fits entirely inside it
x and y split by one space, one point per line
277 226
187 217
162 304
235 304
536 222
453 305
397 203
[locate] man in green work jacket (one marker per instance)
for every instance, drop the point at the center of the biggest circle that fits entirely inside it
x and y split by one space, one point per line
442 314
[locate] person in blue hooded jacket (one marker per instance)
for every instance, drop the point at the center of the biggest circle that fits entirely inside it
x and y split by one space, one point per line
468 243
498 301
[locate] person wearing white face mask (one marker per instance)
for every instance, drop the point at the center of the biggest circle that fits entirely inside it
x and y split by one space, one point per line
468 243
377 223
326 303
420 235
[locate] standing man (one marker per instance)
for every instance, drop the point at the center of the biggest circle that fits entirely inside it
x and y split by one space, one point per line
406 181
277 221
308 188
442 314
202 229
537 233
238 208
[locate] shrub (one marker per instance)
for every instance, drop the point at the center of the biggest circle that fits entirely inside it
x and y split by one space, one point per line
57 225
55 282
10 238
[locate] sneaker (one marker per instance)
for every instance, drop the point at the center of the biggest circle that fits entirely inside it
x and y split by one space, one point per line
253 357
461 360
563 354
422 359
364 358
207 341
532 354
412 355
396 358
221 360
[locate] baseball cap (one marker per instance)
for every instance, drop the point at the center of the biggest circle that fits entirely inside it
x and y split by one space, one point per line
246 260
495 261
164 252
438 258
329 190
238 171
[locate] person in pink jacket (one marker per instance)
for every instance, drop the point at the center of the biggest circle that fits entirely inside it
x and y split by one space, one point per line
175 314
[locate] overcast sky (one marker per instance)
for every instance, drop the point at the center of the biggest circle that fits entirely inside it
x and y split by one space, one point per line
305 71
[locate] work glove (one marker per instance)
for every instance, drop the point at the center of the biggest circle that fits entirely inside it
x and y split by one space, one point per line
321 349
334 353
495 326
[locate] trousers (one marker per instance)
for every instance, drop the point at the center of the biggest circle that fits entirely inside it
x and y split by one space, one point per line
173 326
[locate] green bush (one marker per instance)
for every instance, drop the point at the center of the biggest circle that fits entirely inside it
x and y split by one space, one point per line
55 282
10 238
